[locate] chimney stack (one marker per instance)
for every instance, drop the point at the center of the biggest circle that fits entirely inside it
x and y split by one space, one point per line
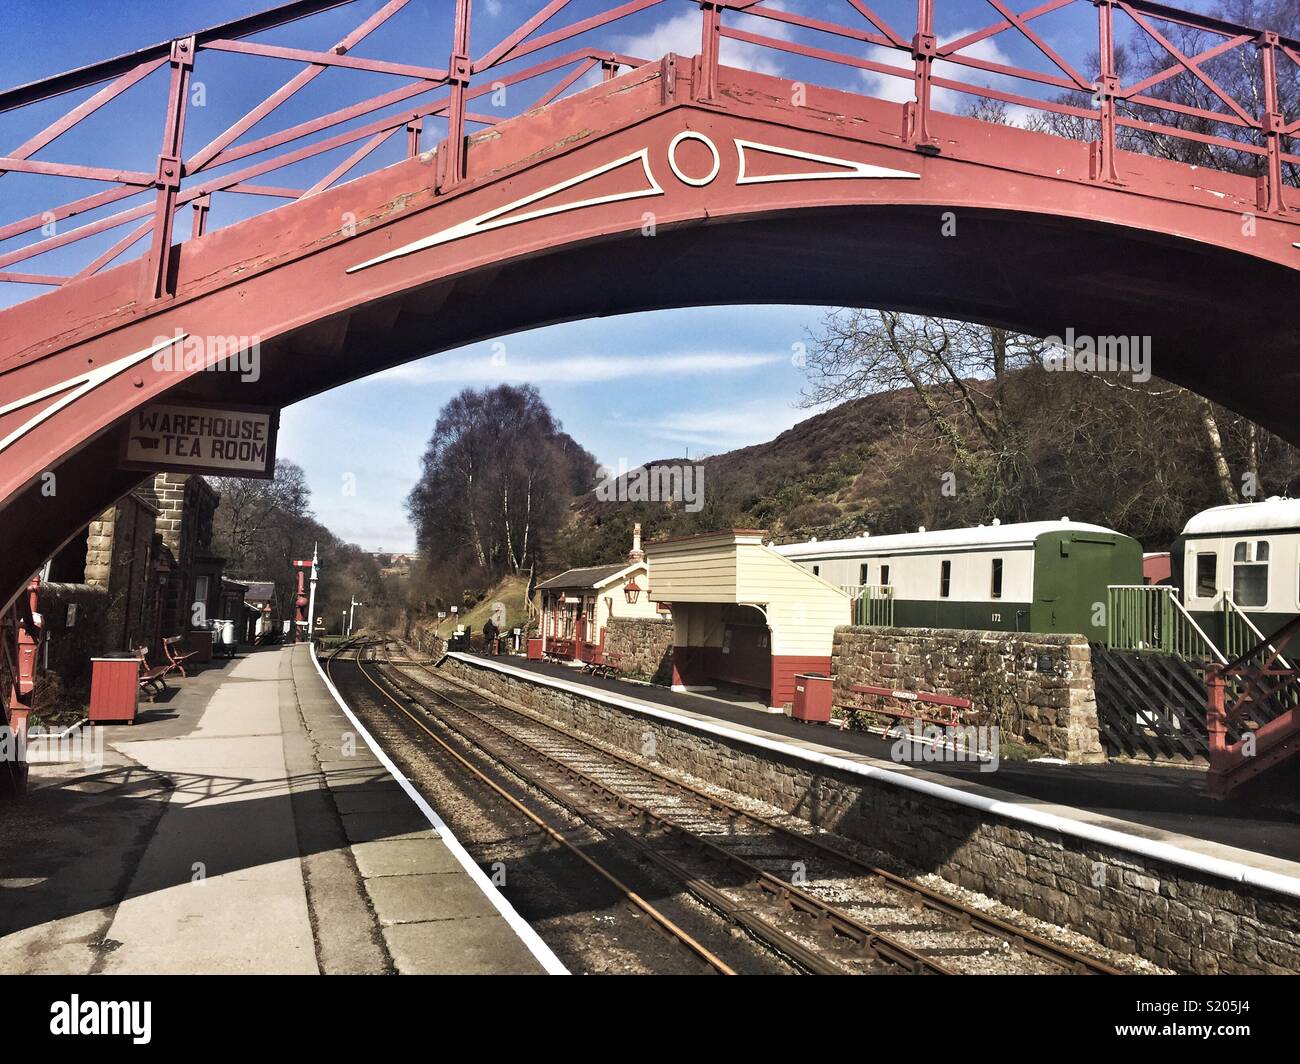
636 554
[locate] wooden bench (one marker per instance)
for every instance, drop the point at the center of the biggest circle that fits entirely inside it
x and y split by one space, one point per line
176 658
152 677
608 666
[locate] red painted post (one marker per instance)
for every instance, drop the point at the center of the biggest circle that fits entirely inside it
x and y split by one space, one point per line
201 207
458 71
167 180
413 130
1216 726
916 116
1103 149
28 633
710 45
301 622
1270 193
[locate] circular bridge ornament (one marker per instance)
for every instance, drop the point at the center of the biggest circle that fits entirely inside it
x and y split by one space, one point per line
690 134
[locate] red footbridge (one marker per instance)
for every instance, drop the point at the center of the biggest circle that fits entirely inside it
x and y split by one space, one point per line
485 175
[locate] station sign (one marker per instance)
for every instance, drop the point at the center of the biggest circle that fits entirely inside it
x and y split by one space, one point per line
194 437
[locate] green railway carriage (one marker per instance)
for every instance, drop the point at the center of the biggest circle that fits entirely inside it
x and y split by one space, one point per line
1038 576
1237 569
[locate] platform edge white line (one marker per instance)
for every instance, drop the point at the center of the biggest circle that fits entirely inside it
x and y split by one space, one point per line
530 938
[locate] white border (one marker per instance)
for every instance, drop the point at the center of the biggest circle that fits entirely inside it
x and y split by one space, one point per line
1120 840
855 169
539 949
690 134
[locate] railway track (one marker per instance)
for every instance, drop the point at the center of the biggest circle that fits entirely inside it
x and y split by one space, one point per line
668 927
915 895
776 883
810 934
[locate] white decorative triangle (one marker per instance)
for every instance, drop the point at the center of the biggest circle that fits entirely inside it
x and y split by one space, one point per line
851 169
503 216
79 385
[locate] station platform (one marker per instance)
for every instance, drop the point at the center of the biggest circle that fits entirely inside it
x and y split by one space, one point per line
1159 809
243 824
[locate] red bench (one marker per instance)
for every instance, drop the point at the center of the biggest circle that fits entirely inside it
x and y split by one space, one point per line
176 658
953 705
152 677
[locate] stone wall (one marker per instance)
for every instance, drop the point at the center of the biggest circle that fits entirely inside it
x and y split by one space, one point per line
186 507
645 646
1037 689
1176 917
72 646
120 555
426 640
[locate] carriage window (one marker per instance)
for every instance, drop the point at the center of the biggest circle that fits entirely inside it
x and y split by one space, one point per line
1207 575
1250 573
864 574
817 570
996 591
884 575
945 578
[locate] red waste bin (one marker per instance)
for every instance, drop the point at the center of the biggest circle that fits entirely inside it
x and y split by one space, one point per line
534 648
200 641
813 695
114 689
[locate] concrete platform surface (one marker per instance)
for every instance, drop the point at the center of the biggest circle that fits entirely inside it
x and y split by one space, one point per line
244 824
1153 803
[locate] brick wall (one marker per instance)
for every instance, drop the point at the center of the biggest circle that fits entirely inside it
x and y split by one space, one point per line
1036 688
1174 916
645 646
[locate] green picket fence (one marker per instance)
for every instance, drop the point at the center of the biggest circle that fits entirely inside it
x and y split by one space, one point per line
1150 617
873 604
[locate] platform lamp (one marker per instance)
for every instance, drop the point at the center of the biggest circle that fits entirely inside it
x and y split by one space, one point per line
631 590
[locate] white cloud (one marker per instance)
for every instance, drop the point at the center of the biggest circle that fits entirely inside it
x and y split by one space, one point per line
485 368
723 428
681 34
899 90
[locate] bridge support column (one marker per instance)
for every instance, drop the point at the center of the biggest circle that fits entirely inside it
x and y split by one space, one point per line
916 116
710 45
459 69
167 180
1270 192
1108 86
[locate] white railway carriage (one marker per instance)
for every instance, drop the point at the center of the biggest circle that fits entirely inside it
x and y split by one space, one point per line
1240 560
1037 576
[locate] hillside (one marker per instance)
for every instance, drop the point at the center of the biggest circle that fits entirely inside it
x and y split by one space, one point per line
865 463
511 590
1136 459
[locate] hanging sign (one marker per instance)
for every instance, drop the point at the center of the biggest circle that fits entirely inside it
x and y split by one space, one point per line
191 437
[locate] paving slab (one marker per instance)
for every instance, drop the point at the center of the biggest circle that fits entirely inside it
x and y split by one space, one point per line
484 945
417 898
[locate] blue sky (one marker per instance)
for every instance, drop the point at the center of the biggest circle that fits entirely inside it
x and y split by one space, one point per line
629 389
